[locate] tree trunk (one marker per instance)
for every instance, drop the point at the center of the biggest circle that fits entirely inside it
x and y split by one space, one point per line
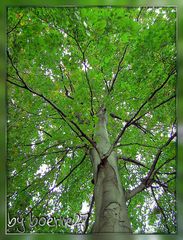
111 210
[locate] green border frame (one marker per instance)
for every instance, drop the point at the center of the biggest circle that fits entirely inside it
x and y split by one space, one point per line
179 107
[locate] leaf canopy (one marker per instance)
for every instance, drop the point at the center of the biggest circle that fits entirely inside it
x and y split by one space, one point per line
78 59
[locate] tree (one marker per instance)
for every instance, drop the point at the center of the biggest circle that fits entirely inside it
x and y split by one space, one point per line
91 119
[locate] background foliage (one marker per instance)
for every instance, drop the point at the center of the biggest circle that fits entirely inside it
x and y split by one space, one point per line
80 58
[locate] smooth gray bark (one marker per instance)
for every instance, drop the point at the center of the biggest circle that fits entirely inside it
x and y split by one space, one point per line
110 202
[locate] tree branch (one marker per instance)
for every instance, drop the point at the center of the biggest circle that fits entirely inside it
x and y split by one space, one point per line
148 180
89 214
139 144
132 161
36 156
42 130
160 104
132 120
131 193
167 161
45 152
86 75
161 209
158 155
119 68
20 86
58 184
16 25
67 93
138 17
63 115
136 124
46 174
33 144
153 94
